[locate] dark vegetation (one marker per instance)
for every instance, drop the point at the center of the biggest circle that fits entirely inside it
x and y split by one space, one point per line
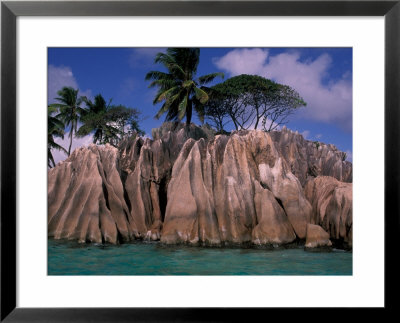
251 101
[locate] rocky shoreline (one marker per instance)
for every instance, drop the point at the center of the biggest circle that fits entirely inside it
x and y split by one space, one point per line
191 186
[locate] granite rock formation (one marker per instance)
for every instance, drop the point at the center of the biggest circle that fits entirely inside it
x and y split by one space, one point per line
308 159
86 198
317 237
332 207
188 185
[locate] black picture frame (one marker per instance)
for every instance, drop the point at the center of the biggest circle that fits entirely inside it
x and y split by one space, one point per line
10 10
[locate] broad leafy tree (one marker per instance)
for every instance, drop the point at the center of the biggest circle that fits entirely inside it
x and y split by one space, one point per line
284 102
250 101
126 120
178 88
216 110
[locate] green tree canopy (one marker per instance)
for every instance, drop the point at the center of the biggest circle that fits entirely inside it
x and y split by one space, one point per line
179 88
247 100
126 120
109 124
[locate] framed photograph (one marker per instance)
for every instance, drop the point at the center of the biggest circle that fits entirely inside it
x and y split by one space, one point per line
334 63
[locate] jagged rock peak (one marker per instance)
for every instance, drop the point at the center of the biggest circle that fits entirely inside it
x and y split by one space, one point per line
188 185
311 158
332 207
191 131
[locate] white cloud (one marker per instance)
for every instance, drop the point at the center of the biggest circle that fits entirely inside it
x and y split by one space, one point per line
76 143
58 77
243 61
268 124
305 134
143 56
330 103
61 76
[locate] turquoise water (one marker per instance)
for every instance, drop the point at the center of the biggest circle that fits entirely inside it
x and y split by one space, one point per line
68 258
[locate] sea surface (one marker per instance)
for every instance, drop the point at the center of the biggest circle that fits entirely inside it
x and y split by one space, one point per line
154 258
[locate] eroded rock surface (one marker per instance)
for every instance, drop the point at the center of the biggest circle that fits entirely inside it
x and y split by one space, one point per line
311 158
317 237
86 198
212 194
332 206
190 186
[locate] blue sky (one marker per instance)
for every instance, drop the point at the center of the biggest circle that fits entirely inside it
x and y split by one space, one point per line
322 76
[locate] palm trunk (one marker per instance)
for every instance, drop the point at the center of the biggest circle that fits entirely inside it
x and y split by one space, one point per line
70 142
189 112
51 162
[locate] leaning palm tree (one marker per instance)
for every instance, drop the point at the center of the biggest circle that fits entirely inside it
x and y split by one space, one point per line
70 110
179 88
96 120
55 128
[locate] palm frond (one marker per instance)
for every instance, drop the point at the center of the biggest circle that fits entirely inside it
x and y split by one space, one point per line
157 75
201 95
187 84
163 109
164 95
171 107
209 78
164 59
178 87
84 130
57 105
54 145
182 107
199 107
163 83
50 159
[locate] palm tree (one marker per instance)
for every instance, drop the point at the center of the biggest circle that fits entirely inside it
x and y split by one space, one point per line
70 110
97 121
55 128
178 88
